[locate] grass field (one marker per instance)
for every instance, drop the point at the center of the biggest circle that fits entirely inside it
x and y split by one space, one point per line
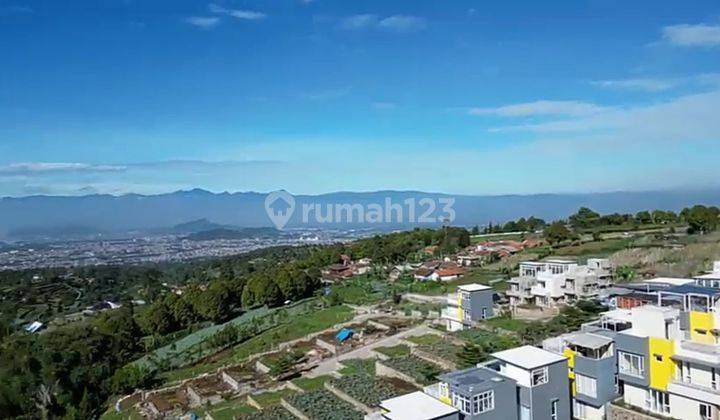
227 410
269 399
311 384
295 328
358 366
394 351
506 323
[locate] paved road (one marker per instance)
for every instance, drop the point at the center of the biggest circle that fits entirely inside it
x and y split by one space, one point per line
330 365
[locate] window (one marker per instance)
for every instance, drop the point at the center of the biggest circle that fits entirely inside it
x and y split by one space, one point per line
554 410
525 413
658 402
658 357
706 411
685 372
586 385
484 402
631 364
579 409
539 376
462 403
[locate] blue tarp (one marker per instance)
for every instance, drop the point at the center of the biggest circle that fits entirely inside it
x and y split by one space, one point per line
344 334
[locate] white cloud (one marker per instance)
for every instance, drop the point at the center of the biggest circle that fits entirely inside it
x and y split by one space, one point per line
205 22
685 118
396 23
642 84
30 168
540 108
700 35
236 13
659 84
358 21
400 23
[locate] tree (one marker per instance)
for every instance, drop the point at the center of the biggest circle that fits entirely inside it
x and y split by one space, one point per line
584 218
556 233
130 378
643 217
701 219
470 355
475 230
214 303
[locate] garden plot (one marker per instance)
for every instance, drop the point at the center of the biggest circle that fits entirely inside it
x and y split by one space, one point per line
440 350
243 378
369 390
323 405
207 390
270 398
301 356
411 368
162 403
274 413
363 334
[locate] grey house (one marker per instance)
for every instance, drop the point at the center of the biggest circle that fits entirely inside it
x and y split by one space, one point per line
543 387
471 302
480 393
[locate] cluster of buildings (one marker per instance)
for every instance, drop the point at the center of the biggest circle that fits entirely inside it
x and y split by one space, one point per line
345 269
554 282
656 354
524 383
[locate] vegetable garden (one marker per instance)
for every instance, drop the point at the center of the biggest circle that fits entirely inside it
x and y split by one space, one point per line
324 405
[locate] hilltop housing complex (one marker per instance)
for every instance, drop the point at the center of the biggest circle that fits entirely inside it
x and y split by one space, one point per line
656 355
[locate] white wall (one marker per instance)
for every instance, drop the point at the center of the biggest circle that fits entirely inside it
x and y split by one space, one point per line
522 376
634 395
685 408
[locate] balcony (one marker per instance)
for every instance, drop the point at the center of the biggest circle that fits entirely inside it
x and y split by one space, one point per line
701 392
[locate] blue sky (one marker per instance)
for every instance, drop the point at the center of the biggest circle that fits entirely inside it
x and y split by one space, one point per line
483 97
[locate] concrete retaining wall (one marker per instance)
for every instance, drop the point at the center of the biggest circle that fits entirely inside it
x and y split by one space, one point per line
382 370
294 411
345 397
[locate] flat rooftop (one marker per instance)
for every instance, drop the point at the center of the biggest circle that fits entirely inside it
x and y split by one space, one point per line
528 357
415 406
673 281
473 380
473 287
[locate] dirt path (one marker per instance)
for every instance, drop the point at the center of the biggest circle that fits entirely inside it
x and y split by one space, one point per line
330 365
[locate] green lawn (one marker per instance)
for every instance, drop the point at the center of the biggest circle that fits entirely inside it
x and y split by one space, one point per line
394 351
228 410
269 399
311 384
129 414
506 323
295 328
358 366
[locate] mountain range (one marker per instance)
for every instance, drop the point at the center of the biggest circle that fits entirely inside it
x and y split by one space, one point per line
197 210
